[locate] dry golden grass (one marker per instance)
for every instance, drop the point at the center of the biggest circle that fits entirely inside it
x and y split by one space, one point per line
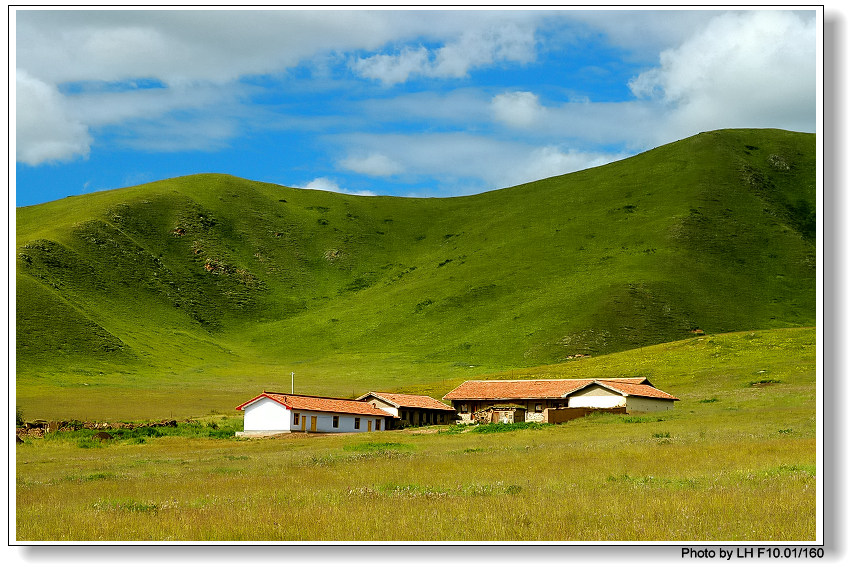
598 479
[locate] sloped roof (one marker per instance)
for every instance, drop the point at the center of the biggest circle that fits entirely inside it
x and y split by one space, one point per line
514 389
409 401
631 389
317 403
550 389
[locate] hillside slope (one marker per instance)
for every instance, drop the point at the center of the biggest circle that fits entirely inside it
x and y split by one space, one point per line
211 275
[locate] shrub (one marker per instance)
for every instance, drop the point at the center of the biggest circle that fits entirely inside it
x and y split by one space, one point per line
504 427
454 429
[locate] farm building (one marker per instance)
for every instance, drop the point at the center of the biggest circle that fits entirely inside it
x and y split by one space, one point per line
271 412
477 400
412 409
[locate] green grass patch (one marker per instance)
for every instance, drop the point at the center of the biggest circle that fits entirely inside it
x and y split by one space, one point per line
378 447
507 427
455 429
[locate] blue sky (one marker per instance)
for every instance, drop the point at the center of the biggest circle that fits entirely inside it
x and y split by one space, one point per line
425 103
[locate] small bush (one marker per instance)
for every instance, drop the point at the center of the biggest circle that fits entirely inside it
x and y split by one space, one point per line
638 418
505 427
221 433
454 429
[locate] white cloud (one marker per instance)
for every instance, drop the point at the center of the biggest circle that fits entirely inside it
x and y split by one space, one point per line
45 130
504 42
716 70
747 69
375 165
199 55
393 69
479 163
323 184
642 33
326 184
517 109
549 161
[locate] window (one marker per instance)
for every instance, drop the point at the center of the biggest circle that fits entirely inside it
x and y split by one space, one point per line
296 419
336 421
539 407
356 423
377 425
465 408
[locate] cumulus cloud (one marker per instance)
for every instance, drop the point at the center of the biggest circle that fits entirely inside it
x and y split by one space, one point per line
394 69
747 69
715 70
45 129
212 50
506 42
517 109
326 184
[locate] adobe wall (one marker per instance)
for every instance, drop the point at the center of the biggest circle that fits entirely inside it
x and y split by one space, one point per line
561 415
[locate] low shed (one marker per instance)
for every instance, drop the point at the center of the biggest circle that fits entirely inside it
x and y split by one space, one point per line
636 395
412 409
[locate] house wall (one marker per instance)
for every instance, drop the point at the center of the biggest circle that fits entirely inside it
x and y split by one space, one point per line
596 397
268 415
643 405
531 411
535 410
382 405
561 415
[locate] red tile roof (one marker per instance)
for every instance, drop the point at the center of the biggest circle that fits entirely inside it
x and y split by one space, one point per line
514 389
409 401
317 403
549 389
641 390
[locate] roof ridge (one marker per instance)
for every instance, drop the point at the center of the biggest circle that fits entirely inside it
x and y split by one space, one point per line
311 396
535 380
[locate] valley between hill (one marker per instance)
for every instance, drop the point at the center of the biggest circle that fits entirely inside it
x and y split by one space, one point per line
188 295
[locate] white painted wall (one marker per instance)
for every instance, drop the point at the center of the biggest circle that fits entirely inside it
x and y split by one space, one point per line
596 397
382 405
268 415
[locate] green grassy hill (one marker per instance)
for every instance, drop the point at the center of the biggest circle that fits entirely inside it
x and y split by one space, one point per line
210 287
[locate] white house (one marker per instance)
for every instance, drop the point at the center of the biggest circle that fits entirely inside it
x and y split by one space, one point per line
636 395
271 412
412 409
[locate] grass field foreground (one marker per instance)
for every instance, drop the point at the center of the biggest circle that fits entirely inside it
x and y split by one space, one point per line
735 461
605 478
